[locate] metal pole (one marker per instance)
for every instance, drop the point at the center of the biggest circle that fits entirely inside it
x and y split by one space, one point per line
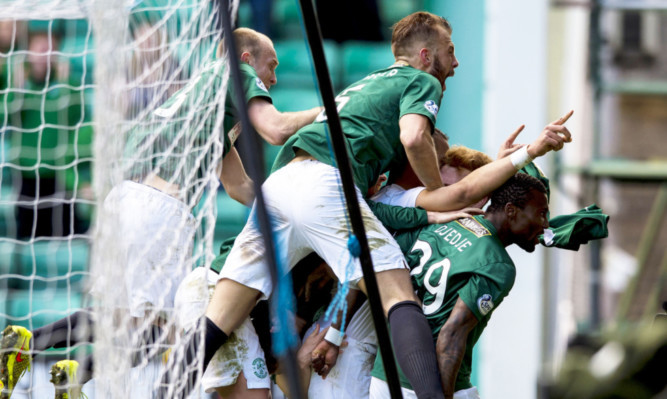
340 149
596 78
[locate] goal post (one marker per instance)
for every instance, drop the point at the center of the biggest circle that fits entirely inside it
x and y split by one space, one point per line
80 83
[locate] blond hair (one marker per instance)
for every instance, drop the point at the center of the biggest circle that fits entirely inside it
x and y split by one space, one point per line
247 40
421 28
466 158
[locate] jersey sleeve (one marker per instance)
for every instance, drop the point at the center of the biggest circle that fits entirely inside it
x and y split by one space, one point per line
253 85
422 96
398 217
225 249
484 292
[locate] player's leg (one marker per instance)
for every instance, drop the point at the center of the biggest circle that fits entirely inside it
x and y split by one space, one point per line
242 354
14 357
238 369
321 219
242 282
231 304
350 377
244 279
470 393
63 333
380 390
410 332
240 390
66 379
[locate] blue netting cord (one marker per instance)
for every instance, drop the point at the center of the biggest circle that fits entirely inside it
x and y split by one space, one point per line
339 301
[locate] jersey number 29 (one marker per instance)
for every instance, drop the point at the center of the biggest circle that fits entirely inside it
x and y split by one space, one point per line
437 290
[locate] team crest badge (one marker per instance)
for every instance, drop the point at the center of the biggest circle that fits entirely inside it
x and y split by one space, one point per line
259 368
234 133
260 84
431 107
485 304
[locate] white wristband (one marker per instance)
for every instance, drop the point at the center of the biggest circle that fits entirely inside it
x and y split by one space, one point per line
520 157
334 336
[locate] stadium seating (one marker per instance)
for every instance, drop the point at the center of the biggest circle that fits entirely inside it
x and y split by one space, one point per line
296 70
9 277
53 264
295 99
391 11
231 217
362 58
286 18
7 217
32 308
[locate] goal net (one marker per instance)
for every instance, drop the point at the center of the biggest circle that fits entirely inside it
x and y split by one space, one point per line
108 191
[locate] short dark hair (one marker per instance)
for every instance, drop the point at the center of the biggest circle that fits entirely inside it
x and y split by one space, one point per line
517 190
420 26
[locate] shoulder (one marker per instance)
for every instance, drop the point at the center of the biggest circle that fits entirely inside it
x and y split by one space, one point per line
253 84
390 194
417 76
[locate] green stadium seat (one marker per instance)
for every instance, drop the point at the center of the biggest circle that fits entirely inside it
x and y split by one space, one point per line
9 265
53 264
8 197
270 153
244 14
33 309
391 11
290 99
296 70
232 216
286 18
362 58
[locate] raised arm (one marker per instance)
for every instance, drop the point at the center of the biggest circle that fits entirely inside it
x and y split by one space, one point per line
418 143
274 126
235 180
451 345
482 181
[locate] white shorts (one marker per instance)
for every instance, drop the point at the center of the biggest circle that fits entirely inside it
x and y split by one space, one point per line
155 240
351 376
241 352
305 201
380 390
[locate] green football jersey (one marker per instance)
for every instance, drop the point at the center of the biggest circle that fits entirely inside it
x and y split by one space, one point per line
461 259
369 113
175 142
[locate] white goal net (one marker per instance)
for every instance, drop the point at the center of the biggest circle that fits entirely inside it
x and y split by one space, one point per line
105 185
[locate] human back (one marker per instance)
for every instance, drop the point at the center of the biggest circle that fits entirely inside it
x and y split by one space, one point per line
369 111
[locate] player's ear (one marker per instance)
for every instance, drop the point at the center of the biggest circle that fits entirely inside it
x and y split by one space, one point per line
246 57
425 56
510 210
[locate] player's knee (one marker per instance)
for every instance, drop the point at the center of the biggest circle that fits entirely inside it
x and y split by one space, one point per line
394 286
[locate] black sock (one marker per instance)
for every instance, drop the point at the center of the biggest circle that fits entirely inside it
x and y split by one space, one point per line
213 340
414 348
85 371
64 333
150 344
